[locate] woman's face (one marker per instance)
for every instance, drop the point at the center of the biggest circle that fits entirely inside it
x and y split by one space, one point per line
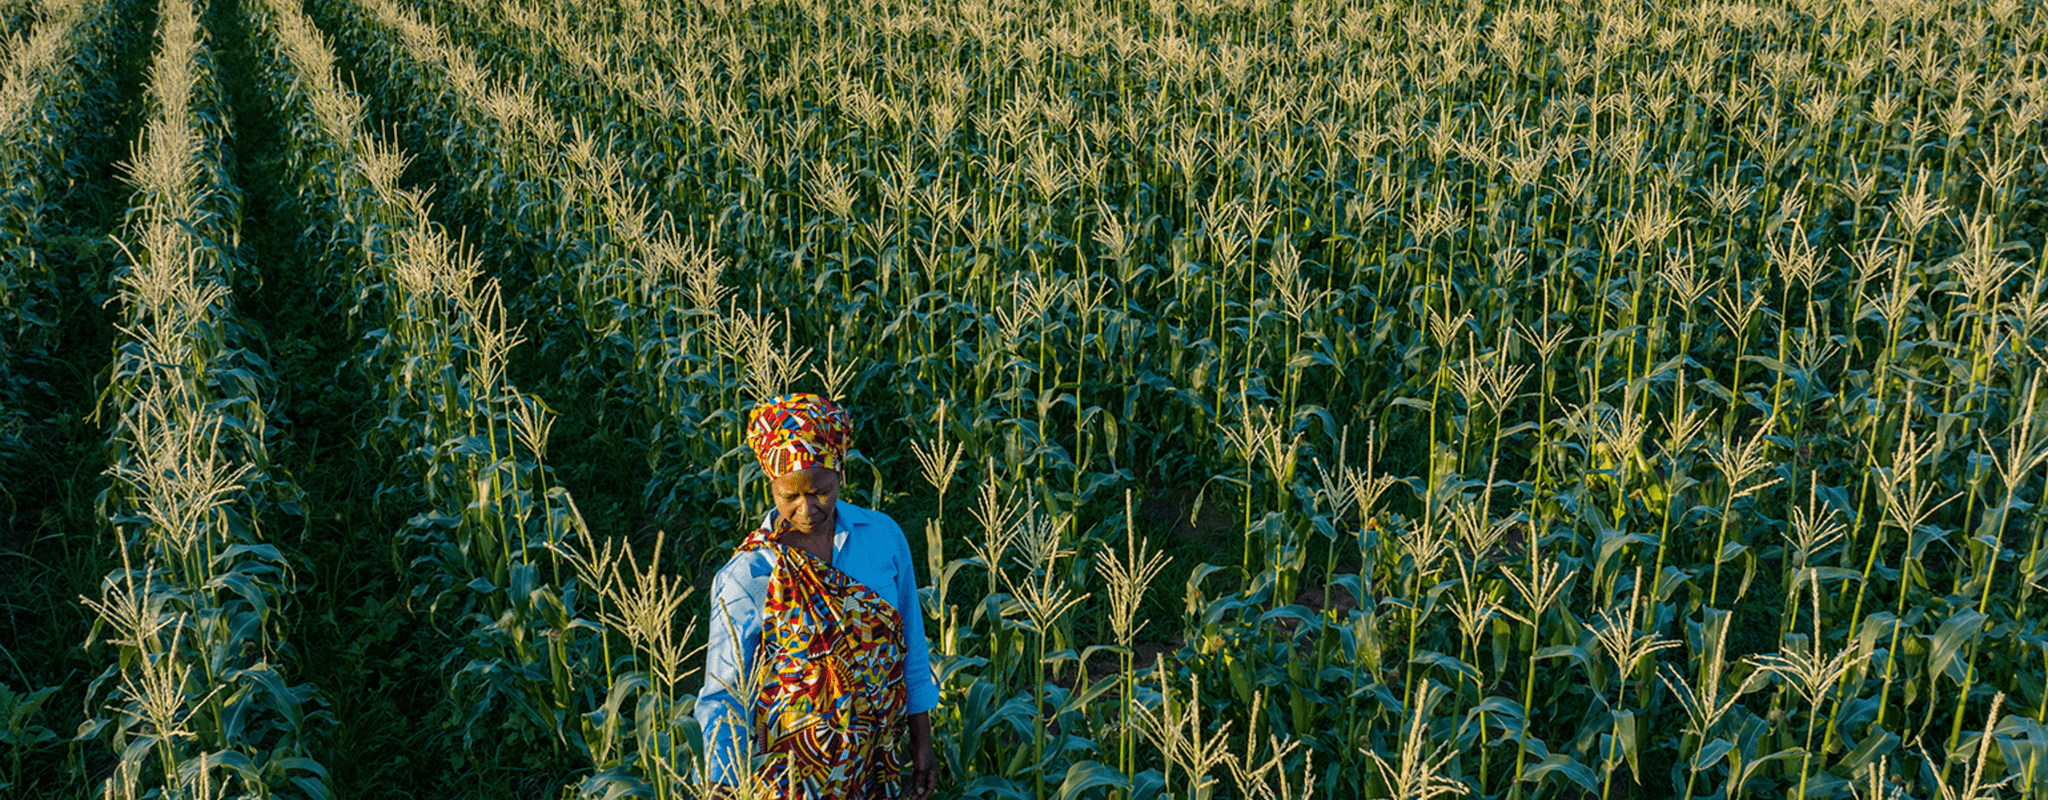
808 499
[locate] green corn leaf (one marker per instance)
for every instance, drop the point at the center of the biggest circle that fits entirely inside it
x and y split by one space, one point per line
1949 639
991 785
1710 753
1565 765
1085 775
1877 743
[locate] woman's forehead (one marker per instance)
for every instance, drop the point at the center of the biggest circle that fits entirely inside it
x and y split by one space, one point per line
808 480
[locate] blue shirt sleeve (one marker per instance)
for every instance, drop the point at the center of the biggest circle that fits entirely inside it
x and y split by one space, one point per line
725 704
917 659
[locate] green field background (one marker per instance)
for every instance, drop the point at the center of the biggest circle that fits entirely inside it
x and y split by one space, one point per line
1328 398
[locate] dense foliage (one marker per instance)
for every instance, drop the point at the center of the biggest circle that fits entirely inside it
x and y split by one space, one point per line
1286 398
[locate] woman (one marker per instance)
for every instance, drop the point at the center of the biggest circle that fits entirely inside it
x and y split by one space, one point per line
817 644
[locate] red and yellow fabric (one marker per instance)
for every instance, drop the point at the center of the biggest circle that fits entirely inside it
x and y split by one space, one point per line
831 709
799 431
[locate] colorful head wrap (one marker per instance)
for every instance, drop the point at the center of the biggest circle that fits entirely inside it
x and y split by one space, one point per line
799 431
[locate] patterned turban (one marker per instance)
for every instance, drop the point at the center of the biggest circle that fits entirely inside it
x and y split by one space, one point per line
799 431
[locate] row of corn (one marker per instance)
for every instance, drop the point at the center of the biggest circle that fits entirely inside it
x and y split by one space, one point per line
196 703
54 60
465 445
656 324
562 642
58 58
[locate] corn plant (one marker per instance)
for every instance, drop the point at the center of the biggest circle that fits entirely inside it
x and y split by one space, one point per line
498 547
52 71
199 705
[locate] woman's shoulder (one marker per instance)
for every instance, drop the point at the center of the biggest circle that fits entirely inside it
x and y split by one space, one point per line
746 565
870 522
856 515
868 518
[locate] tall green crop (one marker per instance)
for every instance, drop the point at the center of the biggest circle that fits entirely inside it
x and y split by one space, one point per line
194 703
1529 399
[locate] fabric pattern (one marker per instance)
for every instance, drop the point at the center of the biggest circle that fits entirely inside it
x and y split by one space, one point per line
869 547
831 710
799 431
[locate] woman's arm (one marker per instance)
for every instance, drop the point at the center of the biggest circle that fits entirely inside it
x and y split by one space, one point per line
917 659
917 675
724 704
924 776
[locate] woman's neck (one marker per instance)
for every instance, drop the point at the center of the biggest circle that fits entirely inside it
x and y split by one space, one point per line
817 544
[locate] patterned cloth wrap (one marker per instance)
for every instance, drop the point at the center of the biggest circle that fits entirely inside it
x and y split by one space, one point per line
799 431
830 714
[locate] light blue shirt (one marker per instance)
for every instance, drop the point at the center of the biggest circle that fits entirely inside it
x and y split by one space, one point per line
866 545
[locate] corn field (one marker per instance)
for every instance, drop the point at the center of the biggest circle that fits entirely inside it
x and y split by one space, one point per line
1284 399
